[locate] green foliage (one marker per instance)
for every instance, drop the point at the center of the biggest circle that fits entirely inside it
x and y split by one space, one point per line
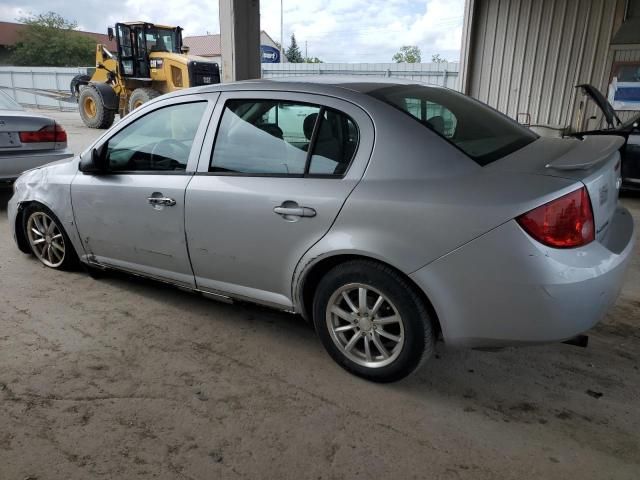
293 53
51 40
408 54
438 59
312 60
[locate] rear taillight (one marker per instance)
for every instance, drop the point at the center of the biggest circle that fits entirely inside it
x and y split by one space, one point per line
565 222
50 133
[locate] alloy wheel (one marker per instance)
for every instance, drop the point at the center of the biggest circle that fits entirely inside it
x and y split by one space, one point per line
46 239
365 325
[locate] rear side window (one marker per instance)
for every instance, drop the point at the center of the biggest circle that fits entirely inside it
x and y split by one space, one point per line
482 133
272 137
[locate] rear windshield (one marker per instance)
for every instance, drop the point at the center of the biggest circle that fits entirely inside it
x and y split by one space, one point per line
482 133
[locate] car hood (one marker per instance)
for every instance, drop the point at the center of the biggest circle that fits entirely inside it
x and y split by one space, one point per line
69 165
602 103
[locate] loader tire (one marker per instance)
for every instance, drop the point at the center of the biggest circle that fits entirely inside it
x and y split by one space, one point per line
92 110
140 96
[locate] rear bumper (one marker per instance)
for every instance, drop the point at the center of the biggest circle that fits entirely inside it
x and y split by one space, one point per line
504 288
12 165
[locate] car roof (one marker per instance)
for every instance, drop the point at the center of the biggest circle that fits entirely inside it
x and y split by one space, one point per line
340 85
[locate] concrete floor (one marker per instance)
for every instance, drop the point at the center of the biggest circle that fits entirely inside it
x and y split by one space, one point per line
125 378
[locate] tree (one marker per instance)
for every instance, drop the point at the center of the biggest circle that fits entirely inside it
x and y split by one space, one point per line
312 60
293 53
408 54
51 40
438 59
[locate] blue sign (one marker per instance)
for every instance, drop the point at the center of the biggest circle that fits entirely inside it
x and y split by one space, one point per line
269 54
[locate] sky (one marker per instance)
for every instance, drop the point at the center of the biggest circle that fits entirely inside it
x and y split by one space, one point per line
334 30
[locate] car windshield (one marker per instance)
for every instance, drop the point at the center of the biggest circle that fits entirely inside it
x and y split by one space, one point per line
482 133
8 103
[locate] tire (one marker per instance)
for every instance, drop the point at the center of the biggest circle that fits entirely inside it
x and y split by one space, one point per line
92 110
140 96
413 334
57 251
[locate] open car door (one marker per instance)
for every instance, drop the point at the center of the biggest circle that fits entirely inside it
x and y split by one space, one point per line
602 103
629 130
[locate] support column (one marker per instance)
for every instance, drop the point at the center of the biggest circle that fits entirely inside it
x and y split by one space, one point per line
240 39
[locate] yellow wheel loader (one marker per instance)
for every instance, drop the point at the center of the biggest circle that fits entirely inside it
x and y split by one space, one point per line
150 61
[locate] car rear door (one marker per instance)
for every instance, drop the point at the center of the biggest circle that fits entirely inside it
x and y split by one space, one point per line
270 187
132 216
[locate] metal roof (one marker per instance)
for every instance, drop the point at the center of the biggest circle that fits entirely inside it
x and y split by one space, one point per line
203 45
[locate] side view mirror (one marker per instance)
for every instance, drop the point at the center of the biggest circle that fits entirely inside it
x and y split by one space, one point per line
110 33
95 161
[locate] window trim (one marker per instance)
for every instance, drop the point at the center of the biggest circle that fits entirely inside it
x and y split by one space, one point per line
312 145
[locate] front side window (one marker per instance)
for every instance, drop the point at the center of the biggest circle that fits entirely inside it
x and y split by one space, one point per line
482 133
273 137
159 141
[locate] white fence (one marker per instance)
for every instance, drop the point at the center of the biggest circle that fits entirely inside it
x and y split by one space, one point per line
443 74
48 87
40 87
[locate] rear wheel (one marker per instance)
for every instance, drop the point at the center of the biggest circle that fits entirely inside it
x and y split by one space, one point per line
92 110
372 322
141 96
47 239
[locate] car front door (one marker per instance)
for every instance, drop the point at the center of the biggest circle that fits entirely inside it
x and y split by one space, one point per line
132 216
271 185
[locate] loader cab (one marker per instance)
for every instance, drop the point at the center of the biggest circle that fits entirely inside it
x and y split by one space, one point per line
135 41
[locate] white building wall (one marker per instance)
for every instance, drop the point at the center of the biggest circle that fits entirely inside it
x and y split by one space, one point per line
524 57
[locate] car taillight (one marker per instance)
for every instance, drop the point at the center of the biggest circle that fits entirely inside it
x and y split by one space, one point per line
565 222
50 133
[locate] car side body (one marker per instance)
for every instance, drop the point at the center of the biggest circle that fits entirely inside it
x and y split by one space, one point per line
410 200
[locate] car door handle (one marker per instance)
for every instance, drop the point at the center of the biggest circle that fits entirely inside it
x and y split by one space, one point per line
166 201
295 211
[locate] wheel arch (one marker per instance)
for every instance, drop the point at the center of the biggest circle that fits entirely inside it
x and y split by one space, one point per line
310 276
21 239
23 242
109 97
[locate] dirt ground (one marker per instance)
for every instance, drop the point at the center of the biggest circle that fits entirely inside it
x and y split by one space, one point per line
124 378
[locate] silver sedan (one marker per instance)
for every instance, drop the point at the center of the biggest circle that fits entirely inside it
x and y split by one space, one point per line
27 140
388 214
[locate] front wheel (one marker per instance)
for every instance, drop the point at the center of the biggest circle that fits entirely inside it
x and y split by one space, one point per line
47 239
372 322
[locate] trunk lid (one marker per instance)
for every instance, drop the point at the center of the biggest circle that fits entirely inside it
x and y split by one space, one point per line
593 161
12 122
